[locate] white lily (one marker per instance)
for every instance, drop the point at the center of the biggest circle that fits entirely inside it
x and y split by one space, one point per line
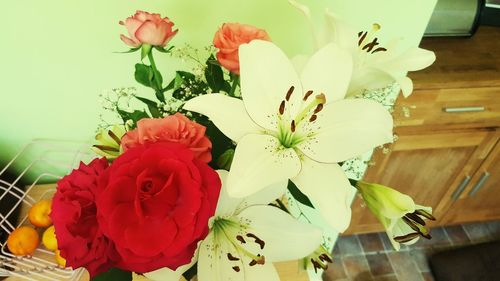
374 65
398 213
296 127
246 235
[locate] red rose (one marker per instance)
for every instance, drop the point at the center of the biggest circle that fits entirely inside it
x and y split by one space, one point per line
79 238
173 128
155 205
228 40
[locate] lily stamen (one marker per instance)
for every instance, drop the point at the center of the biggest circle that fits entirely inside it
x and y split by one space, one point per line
407 238
317 104
282 107
289 93
368 36
307 95
425 214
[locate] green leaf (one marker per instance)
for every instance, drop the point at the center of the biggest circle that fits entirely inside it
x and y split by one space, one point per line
226 87
114 274
158 79
353 182
134 116
152 106
220 143
129 51
163 50
144 74
170 85
298 195
178 81
214 75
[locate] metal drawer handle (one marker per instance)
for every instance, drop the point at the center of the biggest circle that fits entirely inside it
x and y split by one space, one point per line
479 184
463 109
460 188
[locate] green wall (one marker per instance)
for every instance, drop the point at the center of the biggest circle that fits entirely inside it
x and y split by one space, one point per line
56 56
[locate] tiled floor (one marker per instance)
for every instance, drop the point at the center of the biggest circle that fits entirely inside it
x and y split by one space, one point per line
370 257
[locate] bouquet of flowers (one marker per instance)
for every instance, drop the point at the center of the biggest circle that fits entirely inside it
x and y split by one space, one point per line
194 180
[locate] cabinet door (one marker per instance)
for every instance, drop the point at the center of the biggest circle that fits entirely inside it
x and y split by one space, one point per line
481 199
430 167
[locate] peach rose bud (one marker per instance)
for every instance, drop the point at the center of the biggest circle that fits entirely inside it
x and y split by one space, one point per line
147 28
229 38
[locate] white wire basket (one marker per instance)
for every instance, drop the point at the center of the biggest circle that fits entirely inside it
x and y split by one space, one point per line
42 161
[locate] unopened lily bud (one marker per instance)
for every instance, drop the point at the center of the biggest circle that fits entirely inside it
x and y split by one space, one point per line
403 220
108 142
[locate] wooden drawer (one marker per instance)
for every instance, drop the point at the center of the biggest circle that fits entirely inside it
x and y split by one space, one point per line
458 107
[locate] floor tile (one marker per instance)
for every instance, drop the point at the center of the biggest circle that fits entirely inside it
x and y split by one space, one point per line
457 235
356 267
379 264
439 239
420 259
371 243
494 228
404 266
385 241
427 276
335 271
391 277
477 232
349 245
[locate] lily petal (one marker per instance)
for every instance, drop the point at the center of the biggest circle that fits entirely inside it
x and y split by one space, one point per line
412 59
228 206
213 265
368 78
329 72
167 274
348 128
389 202
266 76
228 114
340 32
329 190
259 161
406 86
280 231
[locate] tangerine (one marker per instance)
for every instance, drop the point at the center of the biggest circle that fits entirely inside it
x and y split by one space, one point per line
60 260
49 238
39 214
23 241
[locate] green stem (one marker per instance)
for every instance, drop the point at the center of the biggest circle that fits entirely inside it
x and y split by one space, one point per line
158 90
236 82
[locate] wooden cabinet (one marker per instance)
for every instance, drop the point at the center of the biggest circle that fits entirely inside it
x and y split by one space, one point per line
447 154
481 199
433 167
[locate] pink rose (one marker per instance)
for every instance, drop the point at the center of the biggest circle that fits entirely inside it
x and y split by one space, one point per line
174 128
146 28
229 38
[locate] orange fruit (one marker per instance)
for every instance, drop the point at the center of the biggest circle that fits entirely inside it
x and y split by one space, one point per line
23 241
49 239
39 214
60 260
